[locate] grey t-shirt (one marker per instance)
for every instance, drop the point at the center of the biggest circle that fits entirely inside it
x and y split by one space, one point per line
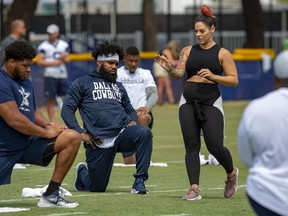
8 40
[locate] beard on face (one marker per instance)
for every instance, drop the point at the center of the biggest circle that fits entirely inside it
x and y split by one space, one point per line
107 76
17 74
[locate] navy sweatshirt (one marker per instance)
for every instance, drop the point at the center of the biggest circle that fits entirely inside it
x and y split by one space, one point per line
104 107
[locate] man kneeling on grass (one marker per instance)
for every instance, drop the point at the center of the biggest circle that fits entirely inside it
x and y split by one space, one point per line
110 123
26 135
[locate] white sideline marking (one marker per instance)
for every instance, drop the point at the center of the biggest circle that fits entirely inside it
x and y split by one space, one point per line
152 164
11 209
239 186
174 214
70 213
113 194
155 165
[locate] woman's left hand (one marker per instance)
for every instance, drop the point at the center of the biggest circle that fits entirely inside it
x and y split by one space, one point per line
206 73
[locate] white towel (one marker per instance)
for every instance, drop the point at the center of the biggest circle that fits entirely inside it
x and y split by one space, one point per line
37 192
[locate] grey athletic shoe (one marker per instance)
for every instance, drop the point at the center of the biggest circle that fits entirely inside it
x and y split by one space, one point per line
55 200
231 184
192 194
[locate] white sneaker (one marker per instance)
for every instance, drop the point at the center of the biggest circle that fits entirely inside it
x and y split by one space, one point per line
55 200
212 160
19 166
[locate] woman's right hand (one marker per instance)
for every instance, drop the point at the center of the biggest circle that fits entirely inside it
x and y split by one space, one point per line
163 62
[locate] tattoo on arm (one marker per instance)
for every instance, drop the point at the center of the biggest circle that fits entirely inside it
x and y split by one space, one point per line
180 65
179 70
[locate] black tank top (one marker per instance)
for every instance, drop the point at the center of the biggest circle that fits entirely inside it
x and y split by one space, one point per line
200 58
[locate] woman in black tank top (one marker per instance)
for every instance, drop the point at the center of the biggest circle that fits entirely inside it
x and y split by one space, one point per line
206 65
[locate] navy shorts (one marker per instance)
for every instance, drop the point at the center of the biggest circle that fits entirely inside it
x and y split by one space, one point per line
55 87
39 152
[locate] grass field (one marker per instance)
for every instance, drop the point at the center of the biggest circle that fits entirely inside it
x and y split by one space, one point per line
166 184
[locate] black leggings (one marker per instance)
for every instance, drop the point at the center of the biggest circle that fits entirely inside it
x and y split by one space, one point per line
198 110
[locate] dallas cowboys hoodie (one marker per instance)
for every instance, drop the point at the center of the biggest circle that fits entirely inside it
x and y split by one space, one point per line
104 107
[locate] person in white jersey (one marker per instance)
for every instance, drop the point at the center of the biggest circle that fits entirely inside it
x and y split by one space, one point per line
142 91
263 146
53 54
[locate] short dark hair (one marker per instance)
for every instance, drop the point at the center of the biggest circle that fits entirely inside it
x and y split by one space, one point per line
132 50
19 50
106 48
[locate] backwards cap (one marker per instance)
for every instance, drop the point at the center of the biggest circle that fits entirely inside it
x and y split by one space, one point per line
280 65
52 29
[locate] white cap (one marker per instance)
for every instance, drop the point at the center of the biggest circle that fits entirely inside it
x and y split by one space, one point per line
52 29
281 65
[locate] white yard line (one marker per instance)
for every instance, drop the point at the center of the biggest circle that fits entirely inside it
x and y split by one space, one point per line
11 209
182 214
70 213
